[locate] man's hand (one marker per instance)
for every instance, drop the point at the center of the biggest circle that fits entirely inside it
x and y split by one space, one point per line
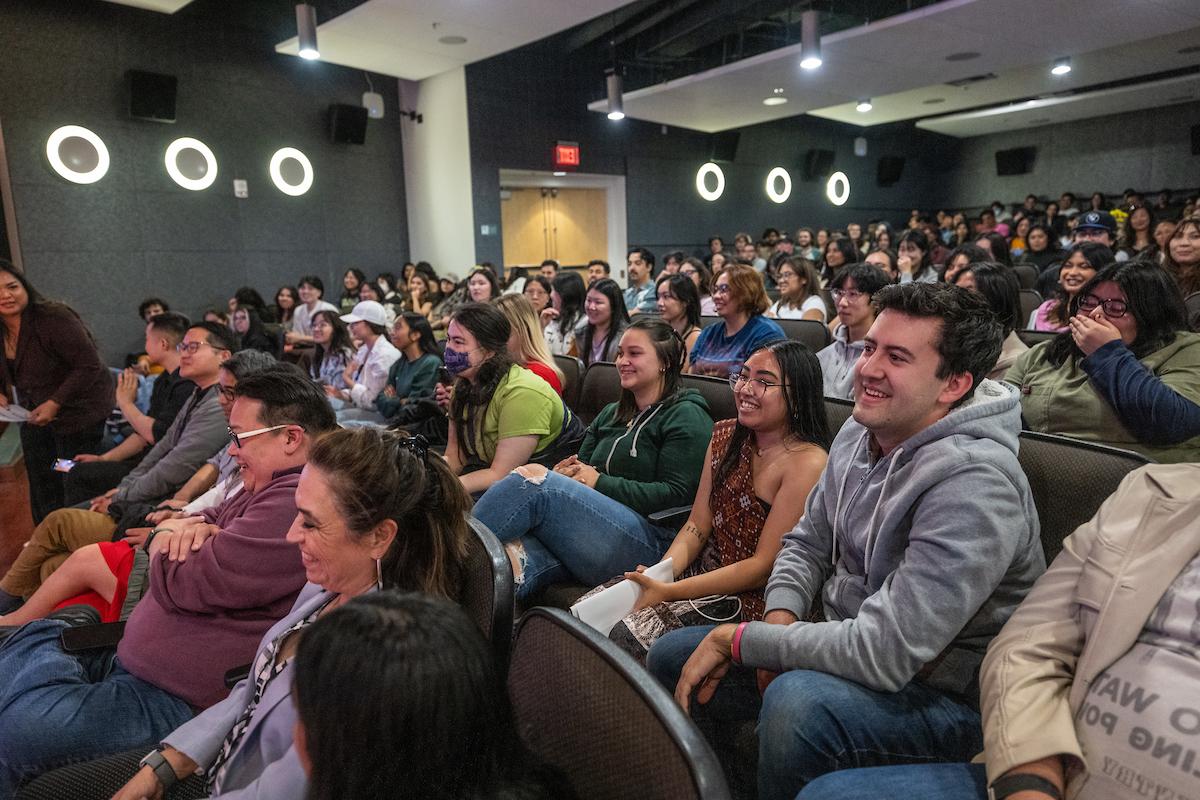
707 665
100 504
127 386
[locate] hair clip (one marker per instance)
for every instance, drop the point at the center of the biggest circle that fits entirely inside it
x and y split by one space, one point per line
417 445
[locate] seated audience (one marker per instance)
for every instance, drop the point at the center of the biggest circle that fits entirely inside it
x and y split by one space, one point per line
217 317
604 308
526 344
310 289
1183 256
587 518
886 260
996 246
1114 613
333 349
837 254
639 294
1042 249
376 511
537 292
366 374
1125 373
251 333
679 307
52 369
852 291
501 414
1078 266
960 257
152 307
1000 288
696 269
414 375
421 671
563 322
548 269
740 300
920 539
370 292
1138 234
597 268
420 296
248 297
799 291
758 471
200 616
284 310
95 474
914 261
482 286
351 281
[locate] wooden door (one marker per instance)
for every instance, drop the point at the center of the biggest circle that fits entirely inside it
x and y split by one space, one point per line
525 228
569 225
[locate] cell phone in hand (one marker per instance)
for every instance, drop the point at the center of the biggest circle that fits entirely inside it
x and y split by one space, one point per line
443 376
63 465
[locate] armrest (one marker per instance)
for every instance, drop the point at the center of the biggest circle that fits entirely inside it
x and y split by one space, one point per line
236 675
671 517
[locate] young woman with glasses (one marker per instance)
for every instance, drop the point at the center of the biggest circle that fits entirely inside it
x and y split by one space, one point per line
1079 266
1125 373
740 299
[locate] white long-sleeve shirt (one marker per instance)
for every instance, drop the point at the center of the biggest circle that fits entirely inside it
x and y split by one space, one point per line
371 374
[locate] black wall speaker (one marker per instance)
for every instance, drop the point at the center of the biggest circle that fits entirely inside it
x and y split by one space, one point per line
151 96
888 170
347 124
1196 140
817 164
1017 161
725 145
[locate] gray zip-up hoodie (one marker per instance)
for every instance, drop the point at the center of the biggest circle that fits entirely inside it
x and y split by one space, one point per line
919 556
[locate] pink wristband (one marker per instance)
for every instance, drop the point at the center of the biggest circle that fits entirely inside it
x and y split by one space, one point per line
737 642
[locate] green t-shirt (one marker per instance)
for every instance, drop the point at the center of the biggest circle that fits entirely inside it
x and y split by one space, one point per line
522 405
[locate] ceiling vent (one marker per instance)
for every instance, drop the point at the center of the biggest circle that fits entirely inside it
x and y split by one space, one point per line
961 82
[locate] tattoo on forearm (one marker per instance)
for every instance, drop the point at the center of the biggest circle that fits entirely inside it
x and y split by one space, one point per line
694 531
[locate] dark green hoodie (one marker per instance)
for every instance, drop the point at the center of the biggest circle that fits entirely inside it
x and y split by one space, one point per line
654 462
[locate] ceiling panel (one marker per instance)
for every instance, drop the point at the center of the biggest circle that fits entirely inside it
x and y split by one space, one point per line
900 62
161 6
400 37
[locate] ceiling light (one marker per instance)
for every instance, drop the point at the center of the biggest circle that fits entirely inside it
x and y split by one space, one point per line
453 40
306 30
774 100
616 102
837 188
864 106
202 175
1061 66
810 39
779 195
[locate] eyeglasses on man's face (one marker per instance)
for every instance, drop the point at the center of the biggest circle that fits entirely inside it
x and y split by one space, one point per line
191 347
239 439
849 295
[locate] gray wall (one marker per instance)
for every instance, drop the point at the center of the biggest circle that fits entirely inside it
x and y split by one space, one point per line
105 246
1146 150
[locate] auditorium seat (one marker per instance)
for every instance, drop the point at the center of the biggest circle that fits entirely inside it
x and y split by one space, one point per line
601 385
1030 300
1032 338
837 411
586 707
572 370
1192 303
1027 275
811 333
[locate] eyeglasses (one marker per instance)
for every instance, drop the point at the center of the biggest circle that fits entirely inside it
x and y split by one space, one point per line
721 288
239 438
757 387
1113 309
225 392
689 271
191 347
849 295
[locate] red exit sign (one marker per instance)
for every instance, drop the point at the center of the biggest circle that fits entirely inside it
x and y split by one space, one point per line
566 154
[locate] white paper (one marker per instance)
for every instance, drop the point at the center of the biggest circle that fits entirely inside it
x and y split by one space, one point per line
605 609
13 413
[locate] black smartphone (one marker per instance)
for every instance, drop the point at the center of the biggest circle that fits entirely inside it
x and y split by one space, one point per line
443 376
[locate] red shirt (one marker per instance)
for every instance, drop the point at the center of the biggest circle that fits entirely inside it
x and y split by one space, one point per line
546 374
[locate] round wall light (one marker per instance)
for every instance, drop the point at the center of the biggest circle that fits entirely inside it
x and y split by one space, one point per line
837 189
77 154
291 171
775 175
702 181
191 164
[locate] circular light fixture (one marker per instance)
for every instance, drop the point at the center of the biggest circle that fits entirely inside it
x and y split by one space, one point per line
453 40
702 183
1061 66
779 174
837 189
864 106
812 62
77 154
279 163
774 100
202 172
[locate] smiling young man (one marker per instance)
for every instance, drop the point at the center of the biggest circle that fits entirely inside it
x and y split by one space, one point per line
639 295
920 539
852 290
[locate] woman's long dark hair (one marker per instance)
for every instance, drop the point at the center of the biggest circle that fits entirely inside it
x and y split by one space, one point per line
1097 256
400 697
917 239
683 289
850 253
426 341
999 247
802 390
999 286
1151 296
255 337
491 330
616 323
339 341
285 314
671 352
572 291
360 276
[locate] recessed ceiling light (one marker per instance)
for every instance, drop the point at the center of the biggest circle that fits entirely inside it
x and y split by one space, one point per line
774 100
965 56
1061 66
453 40
863 106
933 101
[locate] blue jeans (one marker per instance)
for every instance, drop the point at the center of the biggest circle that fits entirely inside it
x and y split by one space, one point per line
927 781
58 708
811 723
568 531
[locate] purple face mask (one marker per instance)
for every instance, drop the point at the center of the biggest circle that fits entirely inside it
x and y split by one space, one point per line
455 361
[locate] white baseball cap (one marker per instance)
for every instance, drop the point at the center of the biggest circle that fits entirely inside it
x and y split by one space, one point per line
367 311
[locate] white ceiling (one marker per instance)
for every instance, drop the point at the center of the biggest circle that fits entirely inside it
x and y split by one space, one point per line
900 62
161 6
400 37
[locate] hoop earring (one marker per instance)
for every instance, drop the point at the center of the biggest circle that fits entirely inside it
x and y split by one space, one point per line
378 575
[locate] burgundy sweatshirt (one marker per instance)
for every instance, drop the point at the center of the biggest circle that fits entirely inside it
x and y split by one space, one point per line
204 616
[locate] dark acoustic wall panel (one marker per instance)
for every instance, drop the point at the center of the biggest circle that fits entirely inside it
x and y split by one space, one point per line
818 164
152 95
1196 140
104 247
725 146
888 170
1016 161
347 124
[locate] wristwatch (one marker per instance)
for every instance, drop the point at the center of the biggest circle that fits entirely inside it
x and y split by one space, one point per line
1009 785
163 770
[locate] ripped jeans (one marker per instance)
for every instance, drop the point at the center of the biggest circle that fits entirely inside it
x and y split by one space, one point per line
568 531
